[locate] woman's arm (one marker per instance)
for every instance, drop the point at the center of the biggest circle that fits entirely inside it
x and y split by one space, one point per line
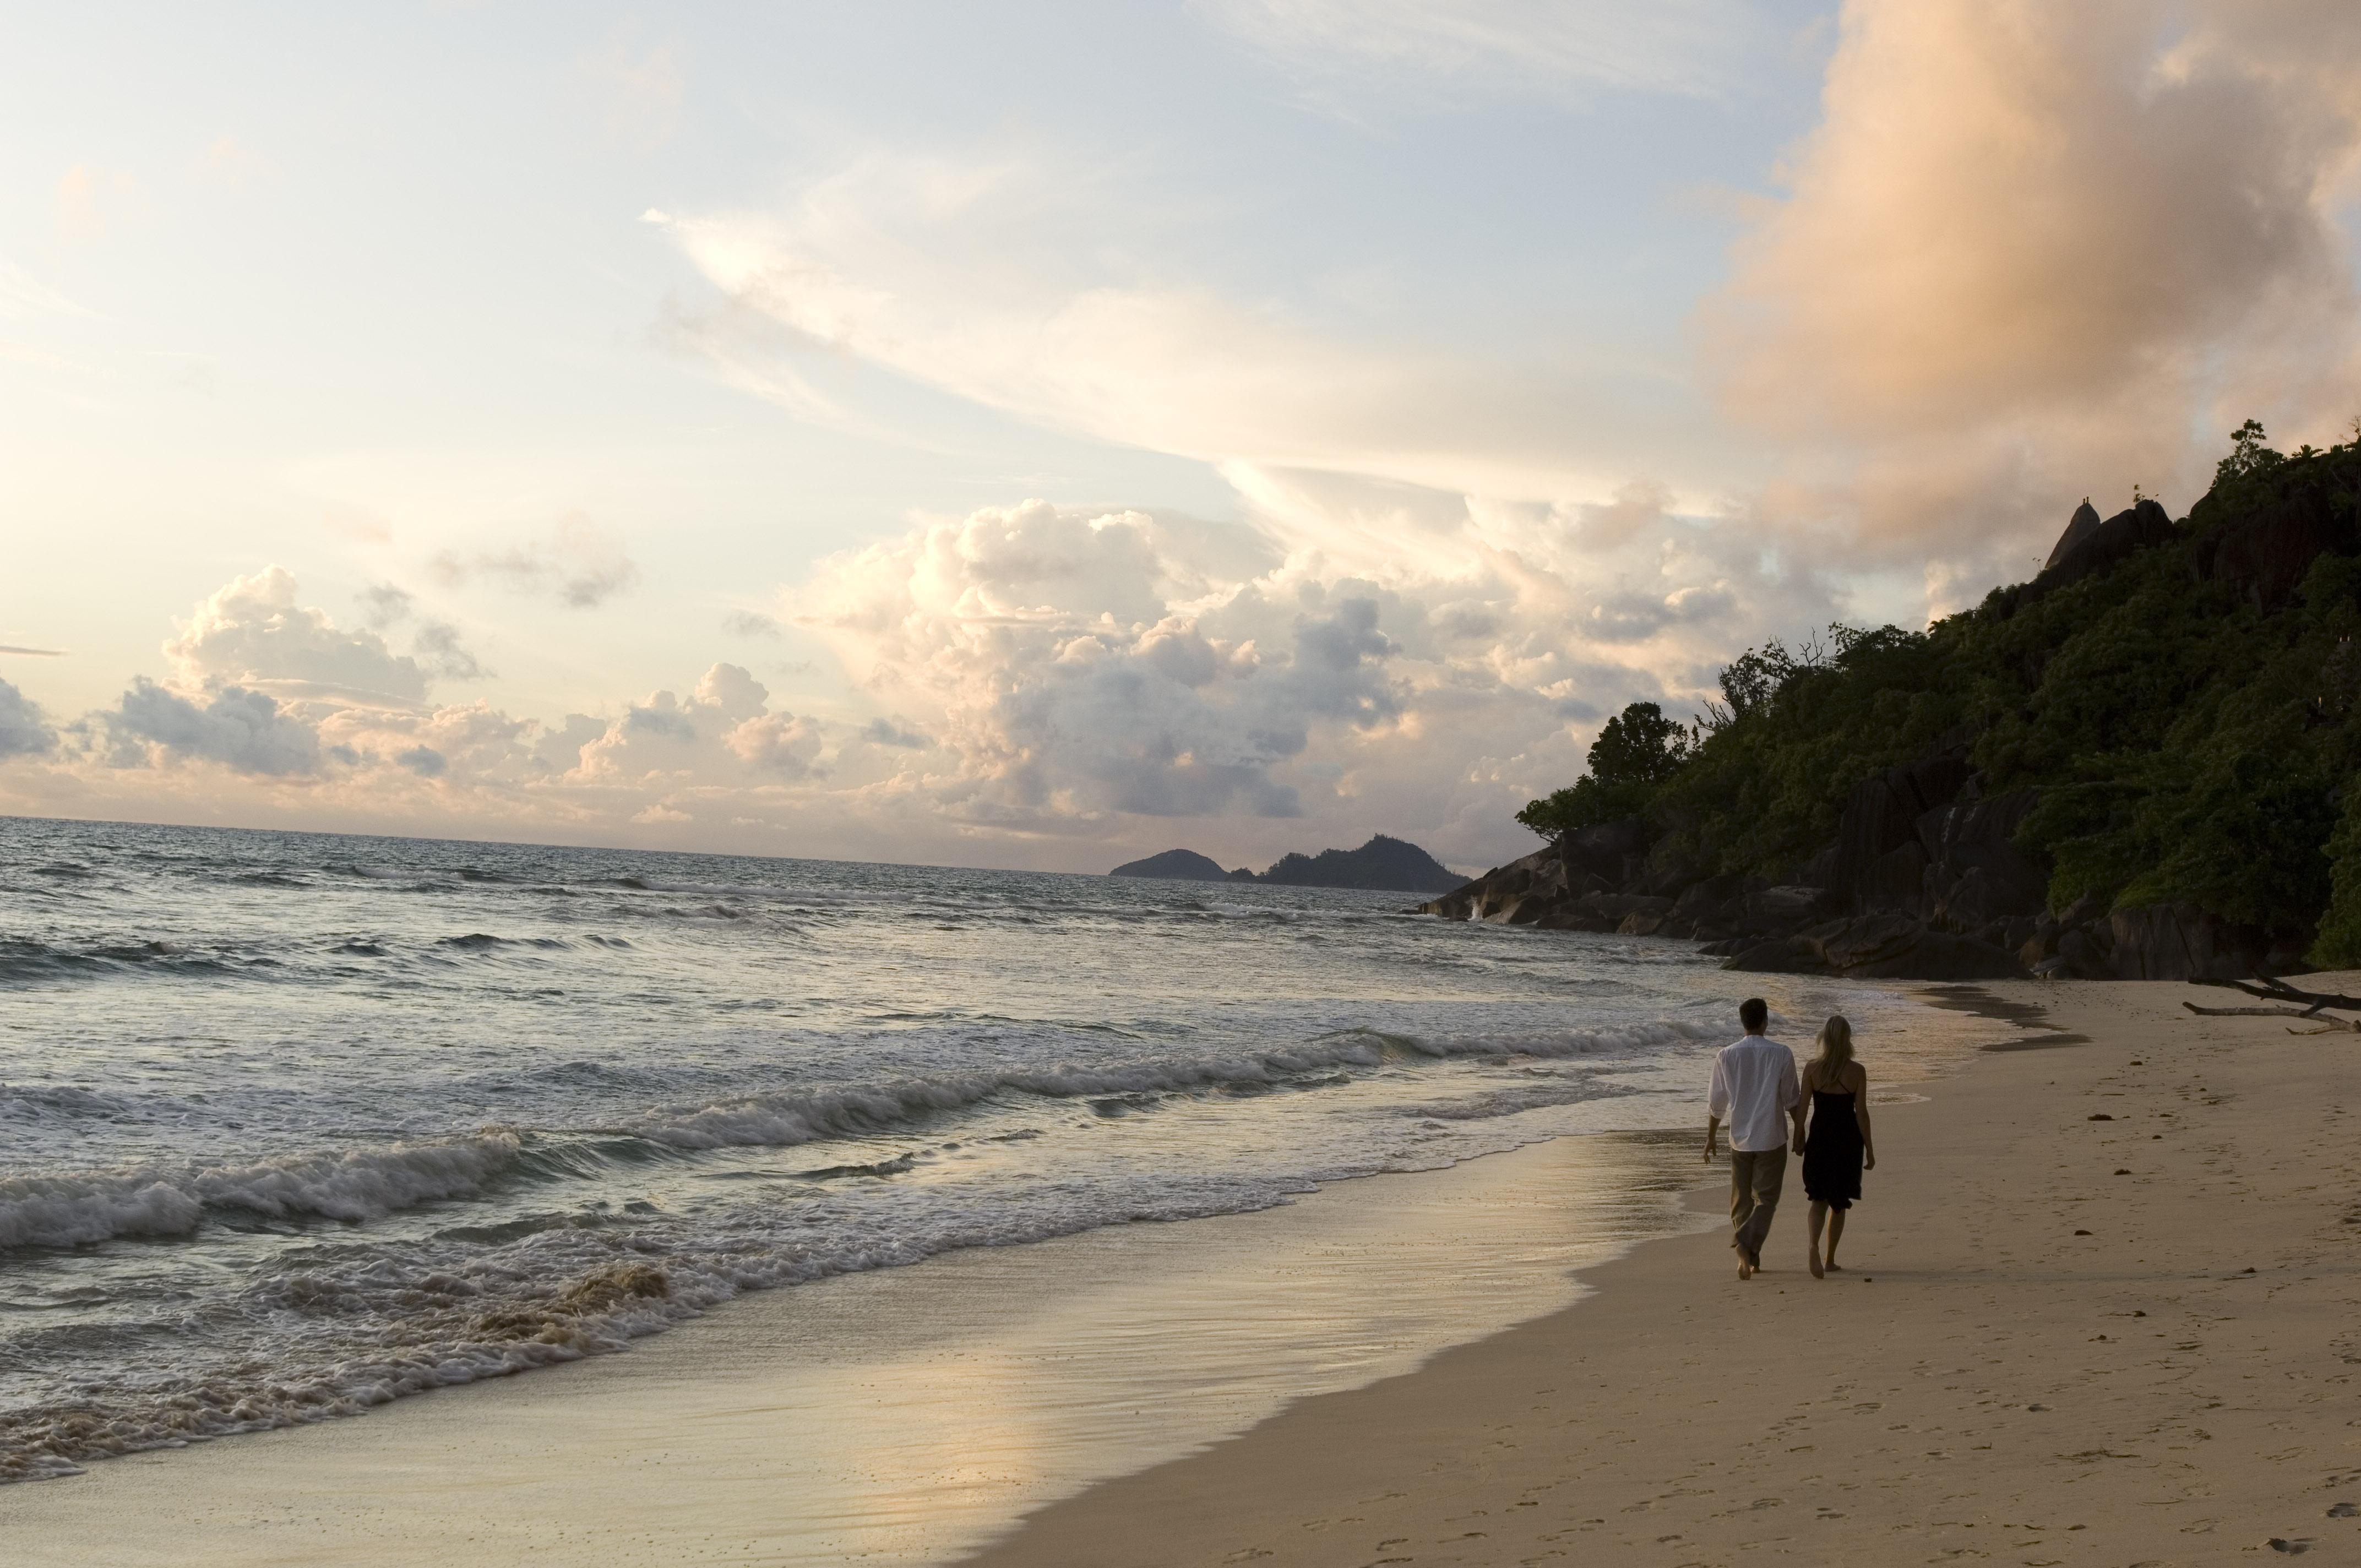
1804 1104
1860 1115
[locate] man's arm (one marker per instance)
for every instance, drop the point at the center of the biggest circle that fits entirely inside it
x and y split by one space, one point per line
1797 1105
1716 1101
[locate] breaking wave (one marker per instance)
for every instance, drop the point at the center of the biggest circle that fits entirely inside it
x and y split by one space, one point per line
359 1185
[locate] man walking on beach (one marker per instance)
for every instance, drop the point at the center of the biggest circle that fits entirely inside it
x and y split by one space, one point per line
1754 1091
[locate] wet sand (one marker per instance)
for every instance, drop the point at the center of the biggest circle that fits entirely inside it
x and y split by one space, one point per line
2101 1307
899 1417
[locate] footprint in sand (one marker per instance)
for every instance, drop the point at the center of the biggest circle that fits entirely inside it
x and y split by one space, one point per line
2295 1548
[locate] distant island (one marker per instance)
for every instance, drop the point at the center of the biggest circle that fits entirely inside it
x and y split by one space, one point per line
1383 865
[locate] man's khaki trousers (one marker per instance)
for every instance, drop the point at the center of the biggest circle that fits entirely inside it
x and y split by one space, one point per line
1755 1178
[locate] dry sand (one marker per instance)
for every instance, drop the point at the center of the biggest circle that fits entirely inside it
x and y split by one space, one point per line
1986 1382
2101 1308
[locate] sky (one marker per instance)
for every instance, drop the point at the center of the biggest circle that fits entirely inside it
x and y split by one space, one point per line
1041 435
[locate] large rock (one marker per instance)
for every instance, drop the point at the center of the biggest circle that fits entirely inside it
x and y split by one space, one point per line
2265 553
2078 529
1786 907
1486 897
1539 890
1882 814
1885 946
2087 551
1976 874
1715 901
1895 880
1610 850
2176 942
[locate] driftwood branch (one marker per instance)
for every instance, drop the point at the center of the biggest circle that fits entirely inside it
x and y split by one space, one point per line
2252 1011
2280 991
2332 1026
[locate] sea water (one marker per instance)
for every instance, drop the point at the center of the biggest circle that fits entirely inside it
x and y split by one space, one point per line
295 1125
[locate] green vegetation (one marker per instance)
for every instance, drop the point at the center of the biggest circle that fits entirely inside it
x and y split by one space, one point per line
2194 736
1636 754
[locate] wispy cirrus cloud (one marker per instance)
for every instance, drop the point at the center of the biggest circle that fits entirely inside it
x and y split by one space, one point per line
989 279
1347 52
577 563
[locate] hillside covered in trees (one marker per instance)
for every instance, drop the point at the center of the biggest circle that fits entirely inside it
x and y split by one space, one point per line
2167 719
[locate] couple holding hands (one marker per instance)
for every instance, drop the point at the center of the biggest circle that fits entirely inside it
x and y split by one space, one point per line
1756 1090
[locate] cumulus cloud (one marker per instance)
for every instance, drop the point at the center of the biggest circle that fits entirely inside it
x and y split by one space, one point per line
24 730
252 632
246 731
2030 247
1040 685
1074 669
578 564
722 731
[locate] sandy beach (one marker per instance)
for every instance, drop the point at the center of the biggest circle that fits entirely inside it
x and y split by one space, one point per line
2098 1309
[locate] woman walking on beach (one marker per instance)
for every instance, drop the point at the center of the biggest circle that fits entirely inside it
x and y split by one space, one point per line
1835 1144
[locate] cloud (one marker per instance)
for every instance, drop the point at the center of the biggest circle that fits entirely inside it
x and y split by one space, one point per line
1031 685
252 632
751 623
641 88
1002 280
893 732
33 653
24 730
434 645
226 161
246 731
579 564
2030 247
1480 49
90 200
23 295
1072 669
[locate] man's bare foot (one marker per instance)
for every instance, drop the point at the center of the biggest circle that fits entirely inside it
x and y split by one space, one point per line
1745 1269
1816 1263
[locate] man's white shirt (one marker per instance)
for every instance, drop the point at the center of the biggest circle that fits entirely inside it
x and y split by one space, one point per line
1753 1088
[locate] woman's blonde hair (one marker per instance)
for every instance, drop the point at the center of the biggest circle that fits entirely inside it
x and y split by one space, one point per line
1836 1041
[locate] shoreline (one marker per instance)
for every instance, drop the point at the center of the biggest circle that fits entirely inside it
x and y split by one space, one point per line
911 1414
2098 1309
676 1454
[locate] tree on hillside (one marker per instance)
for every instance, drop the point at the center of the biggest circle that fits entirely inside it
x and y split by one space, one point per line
1636 751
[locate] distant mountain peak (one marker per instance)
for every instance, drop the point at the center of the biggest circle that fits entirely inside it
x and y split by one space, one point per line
1384 863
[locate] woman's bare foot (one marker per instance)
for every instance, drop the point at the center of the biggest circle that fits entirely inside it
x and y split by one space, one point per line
1816 1263
1835 1267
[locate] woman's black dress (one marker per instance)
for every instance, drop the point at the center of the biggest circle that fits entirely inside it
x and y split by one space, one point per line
1832 1151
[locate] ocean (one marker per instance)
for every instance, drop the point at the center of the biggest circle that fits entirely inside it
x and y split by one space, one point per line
293 1124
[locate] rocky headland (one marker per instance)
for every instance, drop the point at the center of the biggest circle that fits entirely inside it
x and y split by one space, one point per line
2138 766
